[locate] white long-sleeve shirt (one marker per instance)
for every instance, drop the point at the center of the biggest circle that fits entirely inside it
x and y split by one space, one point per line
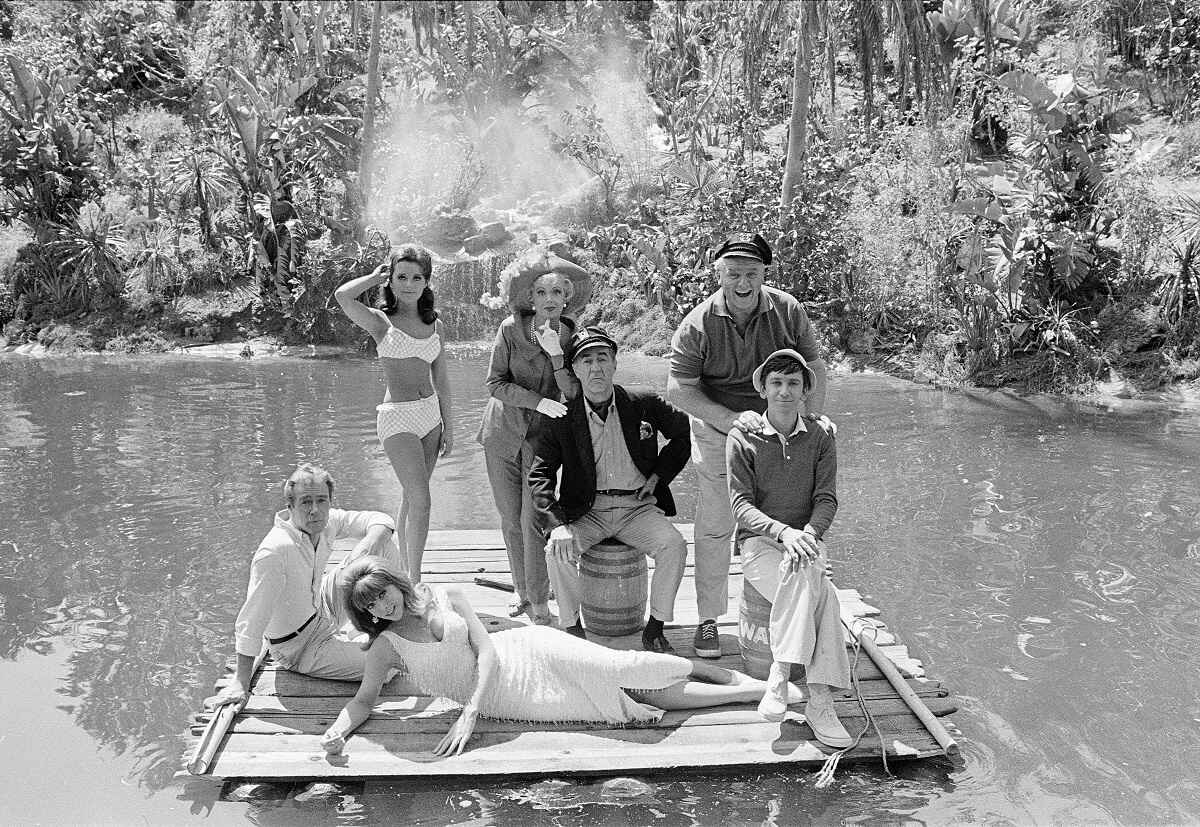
285 575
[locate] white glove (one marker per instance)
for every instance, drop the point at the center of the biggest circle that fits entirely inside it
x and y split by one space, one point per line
551 408
549 339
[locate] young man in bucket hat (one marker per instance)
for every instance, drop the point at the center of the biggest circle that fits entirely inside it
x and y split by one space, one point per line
614 482
713 353
783 494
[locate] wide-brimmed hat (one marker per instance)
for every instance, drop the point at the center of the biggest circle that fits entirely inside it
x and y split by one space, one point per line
810 377
518 277
745 245
587 338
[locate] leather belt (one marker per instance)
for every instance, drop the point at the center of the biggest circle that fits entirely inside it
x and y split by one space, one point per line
274 641
617 492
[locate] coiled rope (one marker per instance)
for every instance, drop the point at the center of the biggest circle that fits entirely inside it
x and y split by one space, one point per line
829 768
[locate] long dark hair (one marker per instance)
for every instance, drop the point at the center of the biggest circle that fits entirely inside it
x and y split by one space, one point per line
364 580
420 257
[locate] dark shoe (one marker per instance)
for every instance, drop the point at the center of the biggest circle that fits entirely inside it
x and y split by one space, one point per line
577 630
653 639
707 642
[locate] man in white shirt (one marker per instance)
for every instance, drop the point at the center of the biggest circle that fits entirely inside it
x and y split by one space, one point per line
290 601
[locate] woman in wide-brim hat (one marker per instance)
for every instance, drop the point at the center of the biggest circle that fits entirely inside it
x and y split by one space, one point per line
528 374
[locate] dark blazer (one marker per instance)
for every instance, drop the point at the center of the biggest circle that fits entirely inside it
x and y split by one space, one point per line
566 443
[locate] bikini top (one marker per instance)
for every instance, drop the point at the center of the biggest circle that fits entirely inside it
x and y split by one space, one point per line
396 344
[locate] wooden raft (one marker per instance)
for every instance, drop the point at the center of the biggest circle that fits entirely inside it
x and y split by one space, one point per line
277 734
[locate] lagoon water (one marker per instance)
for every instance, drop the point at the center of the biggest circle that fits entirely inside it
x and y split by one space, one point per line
1043 560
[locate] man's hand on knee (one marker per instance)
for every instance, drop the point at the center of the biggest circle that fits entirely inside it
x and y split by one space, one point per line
801 547
563 545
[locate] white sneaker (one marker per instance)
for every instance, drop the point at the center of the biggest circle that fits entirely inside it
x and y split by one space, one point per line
773 705
823 720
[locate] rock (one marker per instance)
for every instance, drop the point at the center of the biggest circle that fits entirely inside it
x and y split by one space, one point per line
861 340
322 792
476 245
625 788
255 791
495 232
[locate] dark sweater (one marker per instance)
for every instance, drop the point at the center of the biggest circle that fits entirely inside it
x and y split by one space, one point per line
773 487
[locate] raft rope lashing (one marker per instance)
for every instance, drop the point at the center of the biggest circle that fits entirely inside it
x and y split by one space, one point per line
829 768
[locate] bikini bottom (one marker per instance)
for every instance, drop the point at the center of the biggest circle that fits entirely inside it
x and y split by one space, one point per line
420 417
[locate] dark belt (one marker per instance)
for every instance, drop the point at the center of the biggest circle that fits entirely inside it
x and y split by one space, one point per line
617 492
274 641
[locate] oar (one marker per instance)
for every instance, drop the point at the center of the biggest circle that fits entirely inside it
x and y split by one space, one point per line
495 584
889 670
219 723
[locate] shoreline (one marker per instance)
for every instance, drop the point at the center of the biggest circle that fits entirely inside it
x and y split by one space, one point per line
1107 397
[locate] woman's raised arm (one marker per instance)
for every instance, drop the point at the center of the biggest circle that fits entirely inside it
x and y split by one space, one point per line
486 668
381 659
368 318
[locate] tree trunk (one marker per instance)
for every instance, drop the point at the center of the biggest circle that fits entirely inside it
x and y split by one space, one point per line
469 20
368 131
793 168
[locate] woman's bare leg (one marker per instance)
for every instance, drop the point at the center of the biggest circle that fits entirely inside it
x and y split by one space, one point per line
413 460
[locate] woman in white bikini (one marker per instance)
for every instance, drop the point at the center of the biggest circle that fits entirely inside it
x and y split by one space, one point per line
414 422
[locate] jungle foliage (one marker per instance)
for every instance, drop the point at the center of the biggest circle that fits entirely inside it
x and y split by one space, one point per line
987 186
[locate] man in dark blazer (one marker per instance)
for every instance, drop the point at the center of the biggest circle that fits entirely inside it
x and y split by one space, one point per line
614 481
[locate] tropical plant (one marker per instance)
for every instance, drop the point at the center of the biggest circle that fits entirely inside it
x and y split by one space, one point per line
278 159
46 151
200 178
585 139
93 246
155 258
1179 293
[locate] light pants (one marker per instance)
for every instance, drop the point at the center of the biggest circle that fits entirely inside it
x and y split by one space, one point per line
637 523
319 651
806 623
526 546
714 521
325 648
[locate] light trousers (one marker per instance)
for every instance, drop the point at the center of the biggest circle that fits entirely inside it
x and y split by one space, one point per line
714 521
637 523
806 623
526 546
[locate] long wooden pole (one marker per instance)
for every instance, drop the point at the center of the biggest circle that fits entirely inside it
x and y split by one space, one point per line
906 693
219 723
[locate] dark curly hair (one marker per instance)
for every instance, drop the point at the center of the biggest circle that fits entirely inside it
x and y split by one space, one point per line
421 257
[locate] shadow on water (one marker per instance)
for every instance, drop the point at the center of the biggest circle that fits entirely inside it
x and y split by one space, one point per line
728 798
1041 558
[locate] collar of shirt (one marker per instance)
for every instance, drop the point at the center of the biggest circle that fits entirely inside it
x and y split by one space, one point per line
722 309
594 413
769 429
283 521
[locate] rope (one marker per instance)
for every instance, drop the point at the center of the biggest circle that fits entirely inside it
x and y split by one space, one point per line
829 768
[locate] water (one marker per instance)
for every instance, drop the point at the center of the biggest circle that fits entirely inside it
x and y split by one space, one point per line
1041 559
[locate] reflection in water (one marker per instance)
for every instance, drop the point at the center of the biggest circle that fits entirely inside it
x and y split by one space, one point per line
1040 559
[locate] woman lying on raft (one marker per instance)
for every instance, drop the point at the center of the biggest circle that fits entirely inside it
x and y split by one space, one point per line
531 673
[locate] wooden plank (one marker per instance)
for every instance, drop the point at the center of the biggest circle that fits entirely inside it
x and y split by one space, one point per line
277 735
440 716
320 713
555 753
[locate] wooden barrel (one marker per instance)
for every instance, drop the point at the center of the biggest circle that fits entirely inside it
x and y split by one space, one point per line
754 631
612 586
